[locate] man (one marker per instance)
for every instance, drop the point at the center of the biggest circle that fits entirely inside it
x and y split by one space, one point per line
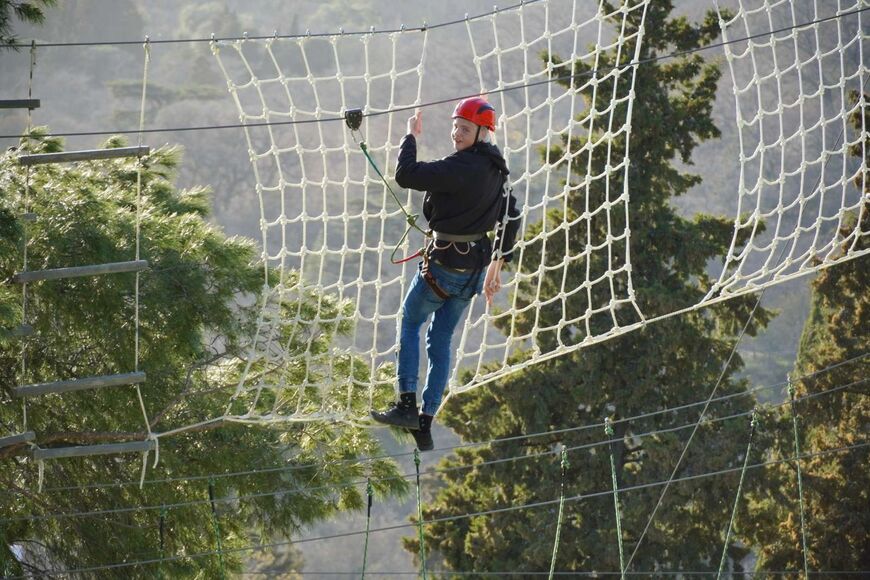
465 199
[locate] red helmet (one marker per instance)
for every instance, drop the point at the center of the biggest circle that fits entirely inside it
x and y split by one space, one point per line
476 110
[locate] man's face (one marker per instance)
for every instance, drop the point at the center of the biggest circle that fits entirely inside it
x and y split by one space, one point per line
463 133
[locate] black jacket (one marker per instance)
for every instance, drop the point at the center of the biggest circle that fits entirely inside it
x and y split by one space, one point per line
464 195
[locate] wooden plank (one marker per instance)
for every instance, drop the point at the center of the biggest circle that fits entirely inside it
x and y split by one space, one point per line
19 104
16 439
90 450
80 271
85 155
79 384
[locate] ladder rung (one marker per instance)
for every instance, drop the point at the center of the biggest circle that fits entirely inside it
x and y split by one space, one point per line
79 271
88 450
16 439
86 155
19 104
79 384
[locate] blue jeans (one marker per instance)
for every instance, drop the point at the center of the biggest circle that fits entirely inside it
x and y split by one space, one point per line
420 302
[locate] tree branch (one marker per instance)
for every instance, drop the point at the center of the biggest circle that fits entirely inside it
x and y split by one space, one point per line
186 391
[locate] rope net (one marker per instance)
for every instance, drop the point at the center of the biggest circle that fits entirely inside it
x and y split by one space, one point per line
329 224
796 93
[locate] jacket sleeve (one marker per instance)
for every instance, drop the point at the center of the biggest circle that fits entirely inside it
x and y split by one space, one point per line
507 227
440 176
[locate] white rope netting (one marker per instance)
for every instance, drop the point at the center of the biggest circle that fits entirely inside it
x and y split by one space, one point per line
329 224
795 94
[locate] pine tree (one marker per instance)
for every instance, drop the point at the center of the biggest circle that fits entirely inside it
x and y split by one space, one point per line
832 408
24 11
667 364
197 311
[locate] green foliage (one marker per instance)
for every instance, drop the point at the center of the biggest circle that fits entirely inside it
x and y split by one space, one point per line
24 11
667 364
197 311
10 231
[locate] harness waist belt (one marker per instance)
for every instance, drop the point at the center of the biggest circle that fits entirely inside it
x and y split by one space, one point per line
441 236
456 270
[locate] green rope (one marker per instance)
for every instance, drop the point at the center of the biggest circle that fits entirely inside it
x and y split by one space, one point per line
420 516
217 527
162 541
410 218
797 461
753 423
608 429
564 468
369 493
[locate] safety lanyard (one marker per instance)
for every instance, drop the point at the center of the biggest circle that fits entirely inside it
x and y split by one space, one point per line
353 118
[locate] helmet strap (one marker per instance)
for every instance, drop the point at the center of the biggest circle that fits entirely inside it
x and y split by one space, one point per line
477 135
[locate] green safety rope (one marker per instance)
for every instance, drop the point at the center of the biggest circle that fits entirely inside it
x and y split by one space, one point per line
608 429
420 516
369 493
797 461
162 540
752 424
564 468
217 527
410 218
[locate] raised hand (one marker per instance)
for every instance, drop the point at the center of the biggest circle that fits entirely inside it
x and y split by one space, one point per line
415 123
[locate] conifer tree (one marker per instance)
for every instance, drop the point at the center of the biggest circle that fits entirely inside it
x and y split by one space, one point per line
197 311
10 10
832 408
670 363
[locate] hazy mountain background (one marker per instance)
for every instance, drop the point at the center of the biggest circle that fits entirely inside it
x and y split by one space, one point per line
96 88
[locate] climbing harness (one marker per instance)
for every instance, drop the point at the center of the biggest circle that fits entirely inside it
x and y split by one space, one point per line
353 119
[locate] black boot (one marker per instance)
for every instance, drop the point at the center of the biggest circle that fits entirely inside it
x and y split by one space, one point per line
423 435
401 414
